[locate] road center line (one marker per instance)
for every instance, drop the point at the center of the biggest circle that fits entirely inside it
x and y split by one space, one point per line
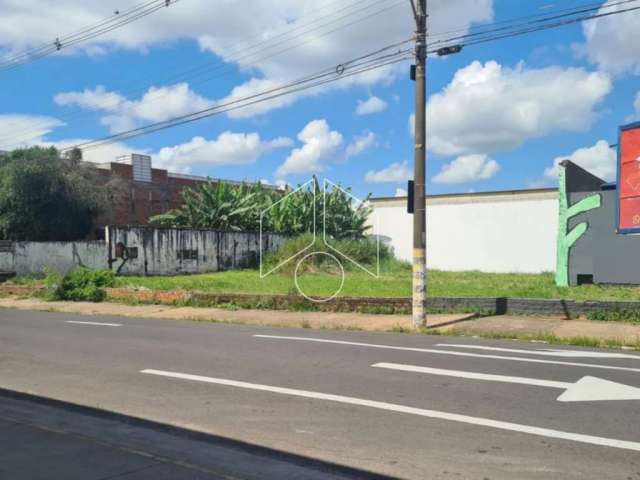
449 352
454 417
99 324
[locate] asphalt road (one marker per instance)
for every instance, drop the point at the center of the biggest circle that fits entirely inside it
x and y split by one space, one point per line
405 406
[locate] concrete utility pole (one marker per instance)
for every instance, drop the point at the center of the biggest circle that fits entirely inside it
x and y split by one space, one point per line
419 199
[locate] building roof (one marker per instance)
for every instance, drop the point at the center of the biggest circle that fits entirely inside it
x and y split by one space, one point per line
522 194
195 178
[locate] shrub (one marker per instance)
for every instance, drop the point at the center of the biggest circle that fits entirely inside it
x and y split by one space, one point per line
80 284
615 315
363 251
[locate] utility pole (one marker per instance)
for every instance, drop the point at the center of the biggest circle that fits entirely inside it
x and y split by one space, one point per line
419 177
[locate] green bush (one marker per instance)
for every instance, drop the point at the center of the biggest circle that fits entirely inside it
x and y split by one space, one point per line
616 315
364 251
80 284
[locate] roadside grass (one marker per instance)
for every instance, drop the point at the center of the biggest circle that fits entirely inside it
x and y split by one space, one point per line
548 338
394 281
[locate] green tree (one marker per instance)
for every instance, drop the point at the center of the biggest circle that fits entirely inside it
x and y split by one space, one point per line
221 206
44 197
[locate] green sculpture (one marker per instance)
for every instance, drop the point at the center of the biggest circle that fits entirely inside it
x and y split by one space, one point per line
567 238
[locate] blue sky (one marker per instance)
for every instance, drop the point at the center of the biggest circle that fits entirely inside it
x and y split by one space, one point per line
501 113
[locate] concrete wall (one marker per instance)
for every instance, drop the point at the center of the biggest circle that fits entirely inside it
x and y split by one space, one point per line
159 252
172 251
490 232
6 257
610 257
31 257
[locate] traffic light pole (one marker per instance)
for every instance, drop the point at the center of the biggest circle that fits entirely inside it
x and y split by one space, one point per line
419 198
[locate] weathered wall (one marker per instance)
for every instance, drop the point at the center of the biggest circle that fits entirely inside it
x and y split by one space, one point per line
159 252
172 251
6 262
490 232
6 256
31 257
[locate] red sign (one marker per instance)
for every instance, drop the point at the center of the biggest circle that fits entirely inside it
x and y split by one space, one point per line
629 179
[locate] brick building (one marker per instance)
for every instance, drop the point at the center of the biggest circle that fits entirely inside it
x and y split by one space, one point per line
147 191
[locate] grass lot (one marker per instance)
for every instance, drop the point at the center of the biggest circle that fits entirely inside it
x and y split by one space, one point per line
395 281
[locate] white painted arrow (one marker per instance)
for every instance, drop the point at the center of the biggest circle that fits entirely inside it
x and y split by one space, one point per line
549 352
485 356
587 389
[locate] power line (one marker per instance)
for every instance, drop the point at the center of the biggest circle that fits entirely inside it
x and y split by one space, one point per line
512 21
118 20
562 20
484 37
196 115
226 69
348 69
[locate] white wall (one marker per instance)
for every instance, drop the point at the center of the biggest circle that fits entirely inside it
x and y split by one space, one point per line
492 232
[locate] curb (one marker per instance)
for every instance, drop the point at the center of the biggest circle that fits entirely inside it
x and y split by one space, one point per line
483 305
479 305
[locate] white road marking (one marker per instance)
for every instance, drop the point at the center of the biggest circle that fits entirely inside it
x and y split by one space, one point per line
587 389
546 352
95 323
454 417
450 352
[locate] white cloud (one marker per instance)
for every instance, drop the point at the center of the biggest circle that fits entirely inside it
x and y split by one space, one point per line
21 130
227 29
490 108
468 168
400 192
600 160
412 124
636 106
156 105
371 105
320 143
281 184
326 50
228 149
253 88
101 154
395 173
324 32
360 143
14 128
613 42
39 127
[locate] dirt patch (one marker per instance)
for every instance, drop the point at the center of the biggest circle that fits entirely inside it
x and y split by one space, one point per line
355 321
